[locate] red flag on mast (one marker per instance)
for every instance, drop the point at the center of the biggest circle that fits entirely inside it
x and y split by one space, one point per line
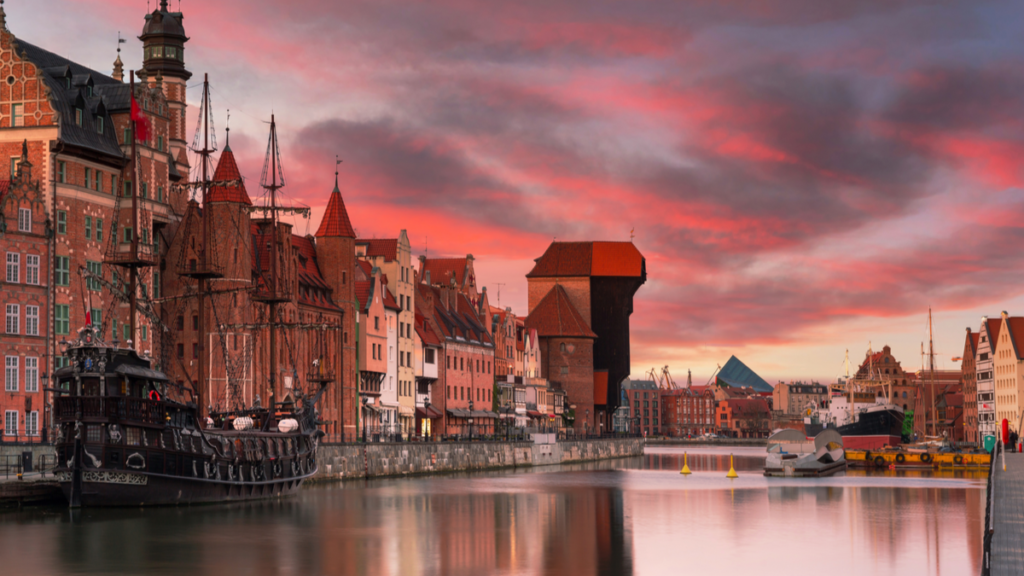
140 121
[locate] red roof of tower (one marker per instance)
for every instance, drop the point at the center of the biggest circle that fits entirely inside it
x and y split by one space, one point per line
336 222
227 169
556 316
620 259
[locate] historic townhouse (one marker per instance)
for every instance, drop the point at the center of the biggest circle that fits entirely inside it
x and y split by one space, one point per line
428 353
465 389
394 258
985 376
968 377
372 349
24 232
1008 370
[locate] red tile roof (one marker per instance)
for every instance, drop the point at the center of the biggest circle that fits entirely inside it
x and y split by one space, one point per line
556 316
388 248
619 259
974 341
317 291
442 270
426 333
336 222
389 299
992 326
363 290
227 169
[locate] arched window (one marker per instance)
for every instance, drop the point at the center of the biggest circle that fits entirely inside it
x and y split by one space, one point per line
561 347
904 395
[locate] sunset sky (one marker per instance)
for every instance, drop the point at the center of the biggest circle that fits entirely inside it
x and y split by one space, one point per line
803 177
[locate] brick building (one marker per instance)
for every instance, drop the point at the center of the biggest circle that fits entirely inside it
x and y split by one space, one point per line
795 398
465 395
688 411
744 417
969 380
71 123
883 366
598 280
643 414
566 353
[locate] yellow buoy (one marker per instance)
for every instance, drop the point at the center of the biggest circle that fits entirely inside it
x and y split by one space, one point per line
732 471
686 469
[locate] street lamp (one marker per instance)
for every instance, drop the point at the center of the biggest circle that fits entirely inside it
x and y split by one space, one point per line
470 418
426 414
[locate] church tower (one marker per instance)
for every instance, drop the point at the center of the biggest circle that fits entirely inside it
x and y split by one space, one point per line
163 63
336 253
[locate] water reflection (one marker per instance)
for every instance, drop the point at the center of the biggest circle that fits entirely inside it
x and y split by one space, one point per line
623 517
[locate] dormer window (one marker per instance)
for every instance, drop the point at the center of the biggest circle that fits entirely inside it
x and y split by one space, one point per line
88 91
67 82
78 116
99 124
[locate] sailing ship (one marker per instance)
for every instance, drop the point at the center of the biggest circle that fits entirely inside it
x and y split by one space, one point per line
123 439
864 419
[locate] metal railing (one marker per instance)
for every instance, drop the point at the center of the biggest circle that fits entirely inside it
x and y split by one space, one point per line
70 408
14 464
990 522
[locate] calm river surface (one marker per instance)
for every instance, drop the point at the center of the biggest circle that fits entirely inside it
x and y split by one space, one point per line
632 516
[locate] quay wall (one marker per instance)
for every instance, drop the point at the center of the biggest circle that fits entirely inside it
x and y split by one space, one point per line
711 442
375 460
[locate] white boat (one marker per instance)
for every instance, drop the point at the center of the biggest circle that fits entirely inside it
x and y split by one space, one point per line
790 453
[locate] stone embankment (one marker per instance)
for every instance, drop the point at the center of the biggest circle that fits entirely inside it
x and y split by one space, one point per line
707 442
375 460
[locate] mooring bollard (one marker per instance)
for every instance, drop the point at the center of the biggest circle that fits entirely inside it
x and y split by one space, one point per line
686 469
732 471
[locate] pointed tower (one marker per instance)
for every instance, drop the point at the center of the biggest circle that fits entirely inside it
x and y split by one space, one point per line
336 253
228 201
163 40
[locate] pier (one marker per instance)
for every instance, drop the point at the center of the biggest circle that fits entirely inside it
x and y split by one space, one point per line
1004 521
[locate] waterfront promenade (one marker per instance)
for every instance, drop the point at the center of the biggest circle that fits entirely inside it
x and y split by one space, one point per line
1007 522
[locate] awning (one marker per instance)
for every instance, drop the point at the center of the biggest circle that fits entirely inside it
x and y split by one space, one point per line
535 414
140 372
484 414
406 410
456 412
429 413
372 407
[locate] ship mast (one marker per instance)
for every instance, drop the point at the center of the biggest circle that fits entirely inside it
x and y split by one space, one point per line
204 254
133 272
931 364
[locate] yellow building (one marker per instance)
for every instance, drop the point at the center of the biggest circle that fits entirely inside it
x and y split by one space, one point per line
1009 371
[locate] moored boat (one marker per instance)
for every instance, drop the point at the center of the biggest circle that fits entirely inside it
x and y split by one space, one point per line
791 454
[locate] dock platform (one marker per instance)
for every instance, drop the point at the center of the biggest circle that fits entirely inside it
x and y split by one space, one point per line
1006 521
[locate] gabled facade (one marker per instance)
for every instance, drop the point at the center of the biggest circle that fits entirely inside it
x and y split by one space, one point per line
1008 370
985 369
372 350
968 377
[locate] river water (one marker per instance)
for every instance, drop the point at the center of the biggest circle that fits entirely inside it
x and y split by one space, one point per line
631 516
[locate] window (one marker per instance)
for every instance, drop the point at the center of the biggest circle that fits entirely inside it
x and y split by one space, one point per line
88 227
11 374
13 267
17 115
160 143
565 370
97 269
11 423
142 331
144 189
88 176
126 332
127 189
127 235
62 222
195 322
24 220
14 166
97 182
159 193
462 364
32 423
113 183
31 269
984 356
181 350
156 285
448 362
32 320
78 116
13 318
113 329
180 323
63 271
96 315
32 374
99 229
62 319
127 136
99 124
195 350
376 322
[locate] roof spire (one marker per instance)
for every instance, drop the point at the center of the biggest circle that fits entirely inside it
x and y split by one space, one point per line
227 133
337 162
3 16
118 65
163 5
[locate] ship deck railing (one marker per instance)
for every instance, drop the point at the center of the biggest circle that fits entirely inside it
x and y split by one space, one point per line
108 408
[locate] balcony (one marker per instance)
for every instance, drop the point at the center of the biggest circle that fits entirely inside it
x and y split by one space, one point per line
195 268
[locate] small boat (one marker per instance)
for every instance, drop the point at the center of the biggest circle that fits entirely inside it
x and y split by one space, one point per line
791 454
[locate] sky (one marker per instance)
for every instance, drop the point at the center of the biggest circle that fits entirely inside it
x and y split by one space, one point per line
803 177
